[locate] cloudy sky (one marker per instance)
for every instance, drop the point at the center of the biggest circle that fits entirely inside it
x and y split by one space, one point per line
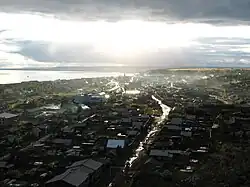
49 33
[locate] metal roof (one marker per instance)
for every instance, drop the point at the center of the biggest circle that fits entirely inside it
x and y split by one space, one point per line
89 163
75 176
8 115
137 123
115 143
93 164
62 141
78 172
3 164
157 152
176 121
78 176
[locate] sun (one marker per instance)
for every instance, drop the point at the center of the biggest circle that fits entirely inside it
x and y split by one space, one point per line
121 39
133 38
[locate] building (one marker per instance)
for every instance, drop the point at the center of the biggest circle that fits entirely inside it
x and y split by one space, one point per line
113 144
173 127
88 99
8 118
80 174
62 142
160 153
186 133
176 121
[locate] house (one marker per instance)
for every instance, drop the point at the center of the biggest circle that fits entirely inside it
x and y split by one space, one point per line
67 129
80 174
40 130
144 116
176 151
229 121
191 116
137 124
186 133
71 108
65 142
126 120
5 165
176 121
36 131
14 182
173 127
88 98
122 110
113 144
132 133
161 155
7 118
152 164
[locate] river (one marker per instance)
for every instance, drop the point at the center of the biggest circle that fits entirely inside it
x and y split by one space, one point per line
165 111
156 127
140 150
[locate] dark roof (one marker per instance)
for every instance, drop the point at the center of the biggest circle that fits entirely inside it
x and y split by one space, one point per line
7 115
89 163
74 177
78 172
4 164
62 141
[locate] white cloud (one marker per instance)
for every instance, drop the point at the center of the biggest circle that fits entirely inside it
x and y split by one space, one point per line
243 48
69 41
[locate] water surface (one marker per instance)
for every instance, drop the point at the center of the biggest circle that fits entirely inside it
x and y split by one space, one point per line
17 76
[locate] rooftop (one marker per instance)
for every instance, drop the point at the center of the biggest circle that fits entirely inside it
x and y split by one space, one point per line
78 172
89 163
115 143
8 115
74 177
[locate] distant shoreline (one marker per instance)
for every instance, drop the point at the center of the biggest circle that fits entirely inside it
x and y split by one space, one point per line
119 68
96 69
18 76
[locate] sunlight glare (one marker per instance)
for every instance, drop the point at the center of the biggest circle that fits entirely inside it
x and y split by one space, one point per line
121 39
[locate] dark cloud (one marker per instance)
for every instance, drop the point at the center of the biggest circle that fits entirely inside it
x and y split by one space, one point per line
36 51
42 52
208 11
202 55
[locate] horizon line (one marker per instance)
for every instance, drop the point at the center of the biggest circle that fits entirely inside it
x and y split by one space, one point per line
82 68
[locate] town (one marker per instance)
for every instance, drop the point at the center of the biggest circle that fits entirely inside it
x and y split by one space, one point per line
169 127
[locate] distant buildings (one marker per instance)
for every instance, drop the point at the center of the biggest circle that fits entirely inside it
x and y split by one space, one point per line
88 98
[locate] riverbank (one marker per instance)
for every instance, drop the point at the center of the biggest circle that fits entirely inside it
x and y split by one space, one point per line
155 127
139 154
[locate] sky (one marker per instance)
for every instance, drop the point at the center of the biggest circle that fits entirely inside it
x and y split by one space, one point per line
169 33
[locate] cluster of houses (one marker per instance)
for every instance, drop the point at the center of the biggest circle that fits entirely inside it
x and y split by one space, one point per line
188 137
181 141
68 149
75 145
